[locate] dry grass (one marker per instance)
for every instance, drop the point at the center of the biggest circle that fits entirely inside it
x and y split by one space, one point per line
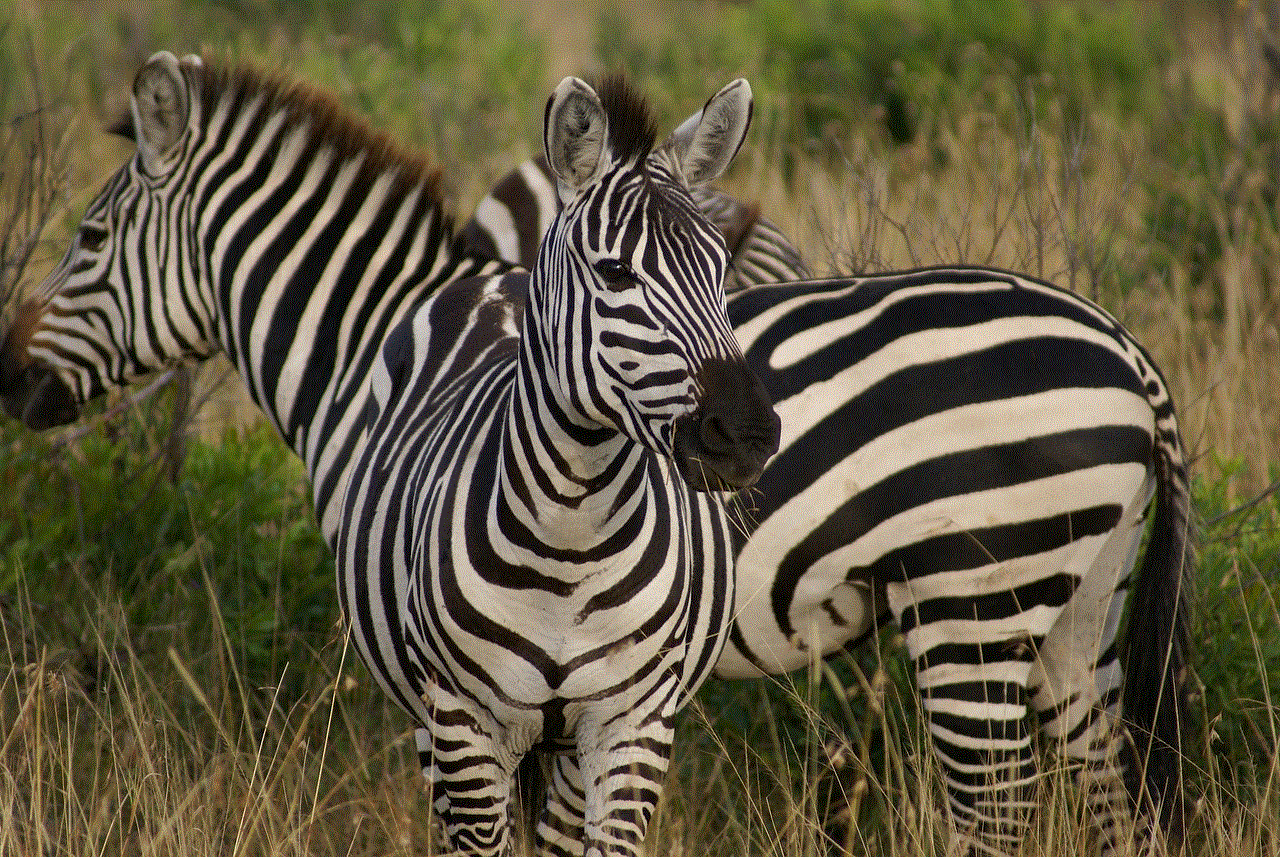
161 753
125 749
133 754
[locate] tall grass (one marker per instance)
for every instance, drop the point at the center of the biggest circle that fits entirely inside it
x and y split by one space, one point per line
171 677
114 749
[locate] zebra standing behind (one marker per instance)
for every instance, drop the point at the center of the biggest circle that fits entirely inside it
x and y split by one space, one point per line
255 219
526 552
975 454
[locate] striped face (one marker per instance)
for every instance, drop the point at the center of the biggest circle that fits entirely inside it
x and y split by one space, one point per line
629 282
119 311
115 307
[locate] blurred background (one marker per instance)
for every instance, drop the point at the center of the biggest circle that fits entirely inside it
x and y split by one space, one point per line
1126 150
1129 151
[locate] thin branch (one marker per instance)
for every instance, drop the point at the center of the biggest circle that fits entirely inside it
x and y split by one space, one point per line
127 401
30 198
1271 489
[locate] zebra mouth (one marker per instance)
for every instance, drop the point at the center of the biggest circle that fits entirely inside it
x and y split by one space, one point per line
726 442
709 462
35 394
30 390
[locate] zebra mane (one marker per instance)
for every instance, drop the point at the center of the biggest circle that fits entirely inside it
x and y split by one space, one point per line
632 129
331 125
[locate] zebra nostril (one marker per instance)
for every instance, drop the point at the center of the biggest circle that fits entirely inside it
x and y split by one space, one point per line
726 435
716 435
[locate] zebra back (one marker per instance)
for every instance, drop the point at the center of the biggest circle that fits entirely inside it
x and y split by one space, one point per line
511 219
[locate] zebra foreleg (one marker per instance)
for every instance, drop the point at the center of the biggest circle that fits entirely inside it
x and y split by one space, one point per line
560 830
470 777
622 773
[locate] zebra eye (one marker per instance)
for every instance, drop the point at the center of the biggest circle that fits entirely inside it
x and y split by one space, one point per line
617 275
92 238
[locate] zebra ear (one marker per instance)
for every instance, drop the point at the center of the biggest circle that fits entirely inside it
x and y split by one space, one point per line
161 107
706 142
574 134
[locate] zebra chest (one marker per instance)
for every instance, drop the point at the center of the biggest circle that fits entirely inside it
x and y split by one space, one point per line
543 622
564 531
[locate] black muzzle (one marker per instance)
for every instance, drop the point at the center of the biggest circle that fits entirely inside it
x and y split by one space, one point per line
35 394
726 442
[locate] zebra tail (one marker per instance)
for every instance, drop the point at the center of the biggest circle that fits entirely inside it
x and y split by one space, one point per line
531 794
1156 649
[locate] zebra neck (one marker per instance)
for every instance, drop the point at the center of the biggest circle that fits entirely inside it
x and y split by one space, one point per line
307 291
567 477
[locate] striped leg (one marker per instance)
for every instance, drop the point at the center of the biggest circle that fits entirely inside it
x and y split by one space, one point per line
1077 685
470 778
1081 720
560 830
622 773
977 717
973 676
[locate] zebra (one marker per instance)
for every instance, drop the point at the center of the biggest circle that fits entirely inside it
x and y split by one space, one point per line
972 453
259 220
527 553
511 219
176 258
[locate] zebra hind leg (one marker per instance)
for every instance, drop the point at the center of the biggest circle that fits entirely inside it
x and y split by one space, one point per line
1076 691
978 724
972 676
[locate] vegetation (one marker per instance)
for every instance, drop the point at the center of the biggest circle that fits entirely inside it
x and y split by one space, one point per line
172 677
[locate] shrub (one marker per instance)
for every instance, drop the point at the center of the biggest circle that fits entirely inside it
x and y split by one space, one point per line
232 537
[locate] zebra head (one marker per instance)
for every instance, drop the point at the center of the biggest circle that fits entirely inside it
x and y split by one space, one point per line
628 287
101 318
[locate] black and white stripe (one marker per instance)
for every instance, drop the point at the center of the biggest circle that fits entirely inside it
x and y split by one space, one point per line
979 450
528 554
510 221
975 453
255 220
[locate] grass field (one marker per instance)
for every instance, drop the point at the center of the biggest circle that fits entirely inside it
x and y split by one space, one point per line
172 680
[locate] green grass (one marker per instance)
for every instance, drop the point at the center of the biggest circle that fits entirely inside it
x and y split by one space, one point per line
1238 609
173 680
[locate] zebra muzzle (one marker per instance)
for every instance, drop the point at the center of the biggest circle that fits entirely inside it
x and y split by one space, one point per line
35 395
30 390
727 440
